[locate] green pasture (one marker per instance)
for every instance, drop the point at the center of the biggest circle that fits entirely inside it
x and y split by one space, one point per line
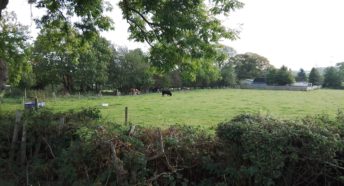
200 107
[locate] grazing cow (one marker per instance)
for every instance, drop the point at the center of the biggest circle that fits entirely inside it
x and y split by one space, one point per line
134 91
167 92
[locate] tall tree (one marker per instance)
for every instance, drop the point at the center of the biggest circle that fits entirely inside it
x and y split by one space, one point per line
314 77
271 76
207 74
130 69
301 75
56 55
250 65
90 13
92 68
14 48
332 78
284 76
228 75
178 31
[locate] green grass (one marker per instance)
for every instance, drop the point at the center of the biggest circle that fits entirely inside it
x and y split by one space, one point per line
201 107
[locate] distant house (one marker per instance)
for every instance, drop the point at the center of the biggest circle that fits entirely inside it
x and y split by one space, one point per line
260 81
302 84
246 82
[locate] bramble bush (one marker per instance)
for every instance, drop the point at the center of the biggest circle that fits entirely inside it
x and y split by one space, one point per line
248 150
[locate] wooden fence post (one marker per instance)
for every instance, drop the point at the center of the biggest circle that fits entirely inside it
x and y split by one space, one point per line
15 134
126 116
23 145
62 121
54 96
36 103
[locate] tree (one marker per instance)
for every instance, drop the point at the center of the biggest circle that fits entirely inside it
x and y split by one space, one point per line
284 76
90 13
176 30
92 68
301 75
314 77
228 76
207 74
332 78
271 76
224 53
250 65
130 69
56 55
14 48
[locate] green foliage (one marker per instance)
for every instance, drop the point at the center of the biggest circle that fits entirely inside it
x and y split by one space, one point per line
267 151
248 150
178 30
301 76
93 65
56 55
228 75
64 58
284 76
14 48
250 65
130 69
271 76
205 107
90 13
207 74
332 78
314 77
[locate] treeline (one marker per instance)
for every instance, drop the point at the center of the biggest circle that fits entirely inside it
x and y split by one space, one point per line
77 148
67 62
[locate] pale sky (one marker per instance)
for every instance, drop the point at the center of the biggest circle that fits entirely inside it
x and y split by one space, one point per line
295 33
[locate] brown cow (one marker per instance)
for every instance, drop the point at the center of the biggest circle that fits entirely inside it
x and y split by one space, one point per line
134 91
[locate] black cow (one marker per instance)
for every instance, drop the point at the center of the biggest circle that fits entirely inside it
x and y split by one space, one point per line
167 92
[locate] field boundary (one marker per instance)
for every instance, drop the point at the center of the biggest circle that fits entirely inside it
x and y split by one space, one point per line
287 87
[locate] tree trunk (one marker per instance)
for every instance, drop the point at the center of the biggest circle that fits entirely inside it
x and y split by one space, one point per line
3 74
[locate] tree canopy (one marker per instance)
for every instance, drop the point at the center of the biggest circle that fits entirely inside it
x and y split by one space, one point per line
301 75
178 31
314 77
332 78
14 49
282 76
250 65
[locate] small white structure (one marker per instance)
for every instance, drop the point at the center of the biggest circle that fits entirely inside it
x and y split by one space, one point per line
302 84
105 104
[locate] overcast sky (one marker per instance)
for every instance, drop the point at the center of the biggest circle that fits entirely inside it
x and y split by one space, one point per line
295 33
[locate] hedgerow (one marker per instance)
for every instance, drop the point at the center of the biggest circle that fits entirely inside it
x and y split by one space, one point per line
78 148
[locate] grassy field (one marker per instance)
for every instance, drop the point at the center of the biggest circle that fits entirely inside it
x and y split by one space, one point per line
201 107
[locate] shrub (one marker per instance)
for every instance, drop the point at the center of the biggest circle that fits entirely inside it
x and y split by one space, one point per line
267 151
248 150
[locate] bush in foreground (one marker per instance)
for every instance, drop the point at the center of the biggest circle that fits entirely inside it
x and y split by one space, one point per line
248 150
